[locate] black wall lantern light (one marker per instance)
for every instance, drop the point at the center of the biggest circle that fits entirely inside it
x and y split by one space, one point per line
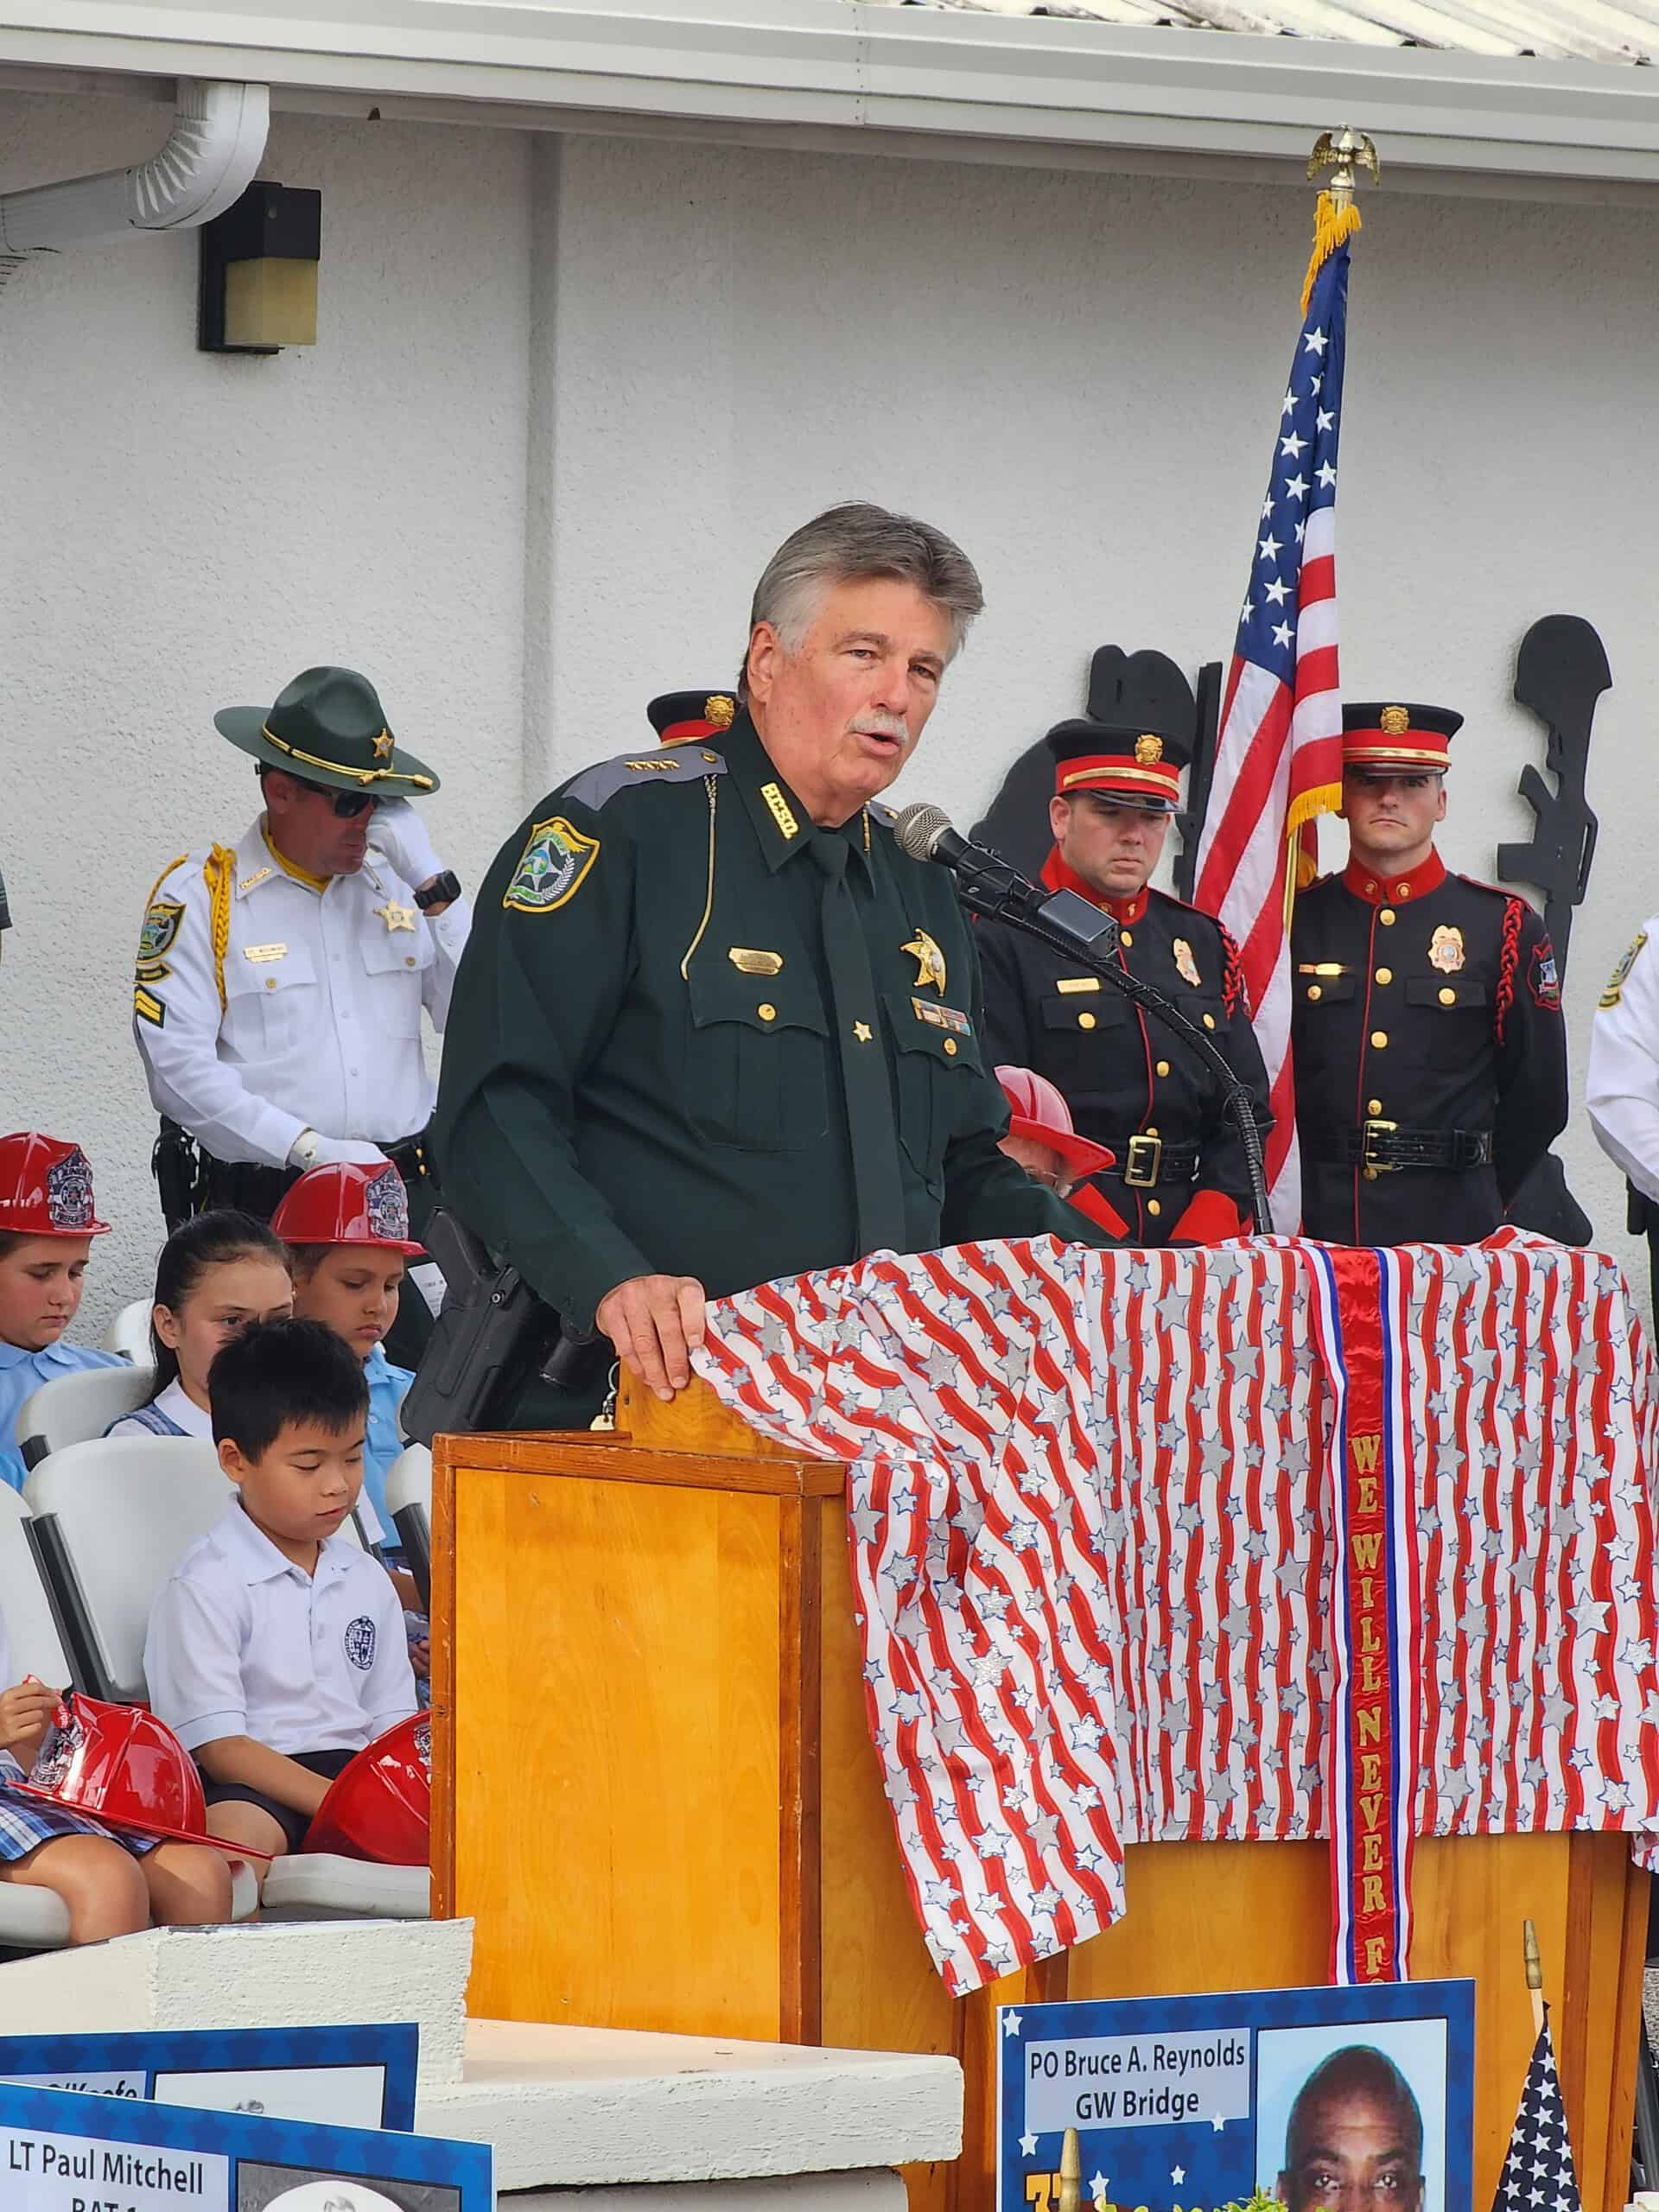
259 288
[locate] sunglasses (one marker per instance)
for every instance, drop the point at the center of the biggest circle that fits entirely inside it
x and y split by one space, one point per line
346 804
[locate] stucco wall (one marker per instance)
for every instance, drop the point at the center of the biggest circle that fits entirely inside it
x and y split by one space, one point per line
567 395
180 531
1077 376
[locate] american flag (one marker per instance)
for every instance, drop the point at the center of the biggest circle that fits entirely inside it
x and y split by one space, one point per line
1538 2173
1091 1522
1278 757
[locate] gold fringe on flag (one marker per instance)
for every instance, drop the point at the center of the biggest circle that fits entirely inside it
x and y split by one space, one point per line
1300 866
1333 227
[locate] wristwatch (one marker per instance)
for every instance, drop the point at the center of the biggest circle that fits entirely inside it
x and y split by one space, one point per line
302 1153
440 892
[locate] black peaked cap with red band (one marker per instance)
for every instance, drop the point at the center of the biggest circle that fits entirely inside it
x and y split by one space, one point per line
677 716
1396 738
1136 736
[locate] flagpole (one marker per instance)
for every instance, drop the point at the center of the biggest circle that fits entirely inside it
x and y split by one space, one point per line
1535 1974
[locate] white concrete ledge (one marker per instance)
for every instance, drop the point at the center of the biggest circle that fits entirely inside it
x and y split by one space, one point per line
564 2106
859 2192
300 1974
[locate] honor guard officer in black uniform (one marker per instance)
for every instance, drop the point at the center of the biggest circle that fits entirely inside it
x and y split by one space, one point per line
713 1026
1131 1083
1429 1049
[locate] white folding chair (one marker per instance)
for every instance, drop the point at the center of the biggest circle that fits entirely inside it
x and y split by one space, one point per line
409 1497
35 1920
112 1519
32 1631
78 1407
128 1333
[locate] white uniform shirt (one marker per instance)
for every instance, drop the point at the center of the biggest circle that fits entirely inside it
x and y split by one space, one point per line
321 1027
243 1642
188 1418
1622 1088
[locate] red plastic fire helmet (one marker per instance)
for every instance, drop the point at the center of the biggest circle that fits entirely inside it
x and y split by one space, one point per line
1038 1111
381 1806
348 1205
120 1765
46 1188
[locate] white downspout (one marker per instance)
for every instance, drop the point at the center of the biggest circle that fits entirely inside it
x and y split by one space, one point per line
212 152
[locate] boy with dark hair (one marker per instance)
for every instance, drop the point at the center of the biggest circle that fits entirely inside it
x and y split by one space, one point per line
276 1648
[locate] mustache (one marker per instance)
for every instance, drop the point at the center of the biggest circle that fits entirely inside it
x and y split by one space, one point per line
893 725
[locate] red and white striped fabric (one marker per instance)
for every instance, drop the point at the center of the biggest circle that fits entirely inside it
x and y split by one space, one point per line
1093 1553
1279 755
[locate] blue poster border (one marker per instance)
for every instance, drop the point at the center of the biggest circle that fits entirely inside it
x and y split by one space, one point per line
394 2046
353 2153
1251 2010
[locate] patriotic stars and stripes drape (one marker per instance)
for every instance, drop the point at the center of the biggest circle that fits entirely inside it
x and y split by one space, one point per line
1279 756
1093 1551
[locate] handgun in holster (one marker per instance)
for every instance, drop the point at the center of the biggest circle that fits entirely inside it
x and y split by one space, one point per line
177 1166
492 1334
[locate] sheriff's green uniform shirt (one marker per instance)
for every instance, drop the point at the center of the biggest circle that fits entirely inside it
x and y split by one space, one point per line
693 1034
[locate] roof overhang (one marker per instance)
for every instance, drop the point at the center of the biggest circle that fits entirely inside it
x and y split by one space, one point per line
1050 90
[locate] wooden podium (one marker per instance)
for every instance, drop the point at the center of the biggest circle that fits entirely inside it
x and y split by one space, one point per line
655 1793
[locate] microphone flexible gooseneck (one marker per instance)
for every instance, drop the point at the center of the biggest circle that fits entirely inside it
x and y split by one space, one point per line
1067 924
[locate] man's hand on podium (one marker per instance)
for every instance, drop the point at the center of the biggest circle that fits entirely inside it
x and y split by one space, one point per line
656 1324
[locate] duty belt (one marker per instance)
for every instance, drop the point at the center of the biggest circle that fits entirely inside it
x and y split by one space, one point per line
407 1156
1146 1160
1385 1146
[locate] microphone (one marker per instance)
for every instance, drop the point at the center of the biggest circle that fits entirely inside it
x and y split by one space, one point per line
991 888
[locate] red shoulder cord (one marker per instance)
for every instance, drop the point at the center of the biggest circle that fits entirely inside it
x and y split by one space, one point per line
1509 959
1232 979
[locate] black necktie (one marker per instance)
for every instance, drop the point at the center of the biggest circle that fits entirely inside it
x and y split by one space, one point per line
856 1021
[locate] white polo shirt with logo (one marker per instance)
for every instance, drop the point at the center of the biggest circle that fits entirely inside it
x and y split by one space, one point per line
243 1642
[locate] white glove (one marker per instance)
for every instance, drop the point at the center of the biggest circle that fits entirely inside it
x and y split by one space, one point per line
401 835
310 1150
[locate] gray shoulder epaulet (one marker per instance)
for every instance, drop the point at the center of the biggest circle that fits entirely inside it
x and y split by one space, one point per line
881 812
677 763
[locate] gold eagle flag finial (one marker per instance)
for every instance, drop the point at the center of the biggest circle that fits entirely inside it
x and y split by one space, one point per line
1342 152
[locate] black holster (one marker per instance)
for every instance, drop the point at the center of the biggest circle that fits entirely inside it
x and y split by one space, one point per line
493 1334
177 1165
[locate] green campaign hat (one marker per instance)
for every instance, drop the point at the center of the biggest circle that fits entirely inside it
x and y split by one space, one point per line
329 727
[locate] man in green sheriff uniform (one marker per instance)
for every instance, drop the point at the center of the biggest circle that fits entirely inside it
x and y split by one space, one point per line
713 1026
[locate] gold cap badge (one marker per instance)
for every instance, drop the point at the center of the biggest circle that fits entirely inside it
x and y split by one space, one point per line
720 710
1393 722
382 746
1148 749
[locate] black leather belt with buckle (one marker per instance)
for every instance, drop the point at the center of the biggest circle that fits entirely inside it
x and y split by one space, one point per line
1383 1147
1146 1160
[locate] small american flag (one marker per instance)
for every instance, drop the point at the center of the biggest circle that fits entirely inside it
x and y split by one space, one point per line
1278 757
1538 2174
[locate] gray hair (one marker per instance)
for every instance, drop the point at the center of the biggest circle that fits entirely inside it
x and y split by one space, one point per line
856 544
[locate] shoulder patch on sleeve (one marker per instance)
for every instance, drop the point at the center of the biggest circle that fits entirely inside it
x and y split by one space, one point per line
556 858
155 937
678 764
1543 979
1627 960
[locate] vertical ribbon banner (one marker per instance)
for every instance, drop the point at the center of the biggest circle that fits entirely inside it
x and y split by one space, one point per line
1372 1742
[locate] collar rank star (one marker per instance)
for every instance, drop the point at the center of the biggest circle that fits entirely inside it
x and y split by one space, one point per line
930 960
396 917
